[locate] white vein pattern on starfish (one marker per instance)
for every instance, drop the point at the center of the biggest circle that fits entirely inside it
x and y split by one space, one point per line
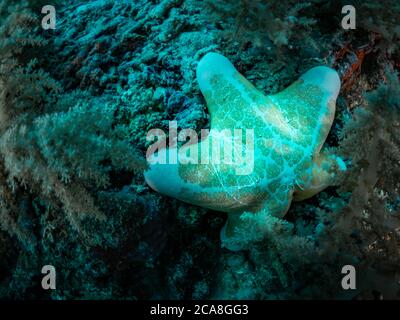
290 129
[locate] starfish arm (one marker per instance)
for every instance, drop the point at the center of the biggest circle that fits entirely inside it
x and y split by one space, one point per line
321 175
224 88
243 229
167 178
211 185
310 103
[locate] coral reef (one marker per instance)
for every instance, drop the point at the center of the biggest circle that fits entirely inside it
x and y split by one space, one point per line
76 104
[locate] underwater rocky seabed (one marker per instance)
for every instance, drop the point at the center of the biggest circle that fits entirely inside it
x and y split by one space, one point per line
76 104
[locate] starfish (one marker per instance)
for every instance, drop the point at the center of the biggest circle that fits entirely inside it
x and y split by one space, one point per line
288 131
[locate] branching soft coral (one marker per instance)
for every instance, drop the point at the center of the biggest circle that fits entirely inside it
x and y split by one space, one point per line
377 125
371 221
64 153
382 18
52 147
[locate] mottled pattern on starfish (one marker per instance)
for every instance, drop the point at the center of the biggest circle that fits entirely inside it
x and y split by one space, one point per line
289 128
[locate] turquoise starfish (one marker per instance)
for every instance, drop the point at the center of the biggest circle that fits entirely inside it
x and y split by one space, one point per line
289 130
